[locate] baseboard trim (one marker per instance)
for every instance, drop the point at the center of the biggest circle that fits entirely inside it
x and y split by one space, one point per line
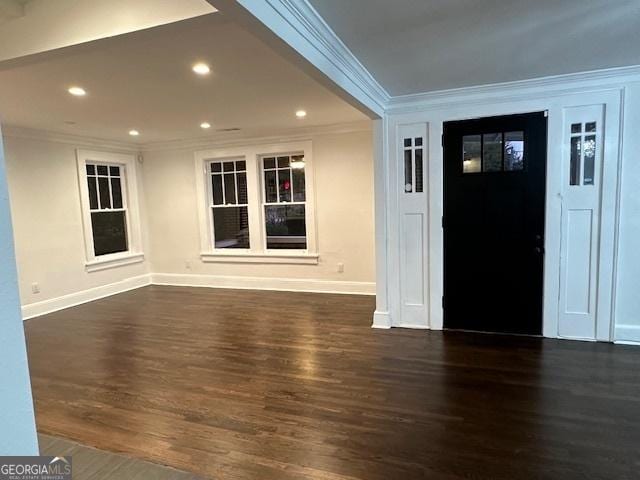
413 326
628 334
37 309
264 283
381 320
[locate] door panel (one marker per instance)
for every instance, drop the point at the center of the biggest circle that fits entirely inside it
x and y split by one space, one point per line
494 194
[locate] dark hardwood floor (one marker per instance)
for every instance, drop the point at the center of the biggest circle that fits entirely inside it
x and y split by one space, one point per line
274 385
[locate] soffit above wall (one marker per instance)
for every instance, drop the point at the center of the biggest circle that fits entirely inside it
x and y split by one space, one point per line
413 46
29 27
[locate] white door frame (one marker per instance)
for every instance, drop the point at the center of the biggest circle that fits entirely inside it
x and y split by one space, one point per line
554 102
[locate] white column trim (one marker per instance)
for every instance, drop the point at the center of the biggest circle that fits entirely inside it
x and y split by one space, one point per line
305 32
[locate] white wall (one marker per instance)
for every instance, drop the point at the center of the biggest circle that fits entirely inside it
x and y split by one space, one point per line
343 166
17 424
47 219
616 257
627 300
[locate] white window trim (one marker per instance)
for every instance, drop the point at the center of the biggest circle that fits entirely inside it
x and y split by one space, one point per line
257 253
130 189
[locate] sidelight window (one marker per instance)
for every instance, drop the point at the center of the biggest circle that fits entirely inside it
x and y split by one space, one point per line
583 153
413 151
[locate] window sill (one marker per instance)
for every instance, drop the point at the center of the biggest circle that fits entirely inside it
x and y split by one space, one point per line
113 261
269 258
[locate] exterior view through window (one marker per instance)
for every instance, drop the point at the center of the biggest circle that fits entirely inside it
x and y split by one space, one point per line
107 205
285 202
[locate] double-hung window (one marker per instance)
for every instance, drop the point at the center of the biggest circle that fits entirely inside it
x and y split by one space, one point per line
257 204
229 203
284 204
110 209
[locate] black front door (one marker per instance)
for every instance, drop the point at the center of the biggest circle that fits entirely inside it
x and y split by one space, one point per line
494 202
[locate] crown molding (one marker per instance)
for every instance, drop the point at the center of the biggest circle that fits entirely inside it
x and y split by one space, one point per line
300 26
255 138
611 78
333 48
68 139
221 139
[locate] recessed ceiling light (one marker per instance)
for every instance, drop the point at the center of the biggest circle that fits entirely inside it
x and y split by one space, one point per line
134 133
301 114
205 125
201 68
77 91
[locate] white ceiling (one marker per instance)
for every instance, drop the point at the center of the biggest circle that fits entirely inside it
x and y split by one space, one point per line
34 26
11 9
413 46
144 81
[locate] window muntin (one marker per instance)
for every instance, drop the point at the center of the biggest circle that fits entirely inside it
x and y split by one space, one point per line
284 202
493 152
228 203
582 160
107 208
413 165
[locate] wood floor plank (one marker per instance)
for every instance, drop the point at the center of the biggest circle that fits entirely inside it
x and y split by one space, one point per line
238 384
91 464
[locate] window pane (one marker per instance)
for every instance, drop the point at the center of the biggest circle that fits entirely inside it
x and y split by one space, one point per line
418 141
93 193
419 170
103 187
284 177
407 142
471 151
242 188
286 227
299 187
241 165
230 189
492 152
102 170
270 187
283 162
216 167
216 186
109 232
408 171
116 191
590 127
574 173
514 151
231 227
228 166
114 171
270 162
576 128
589 159
91 169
